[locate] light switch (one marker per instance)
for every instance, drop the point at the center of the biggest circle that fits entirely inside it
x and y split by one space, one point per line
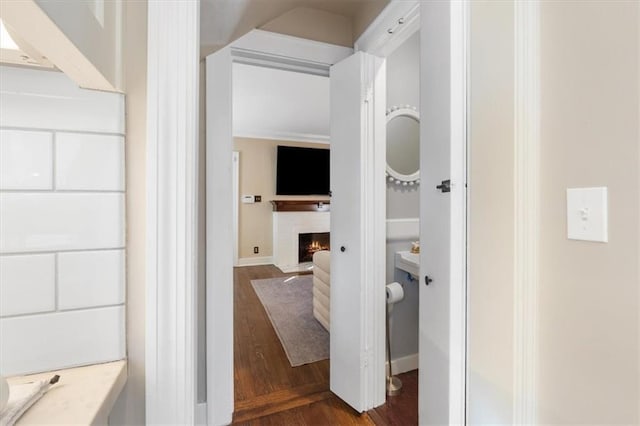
587 215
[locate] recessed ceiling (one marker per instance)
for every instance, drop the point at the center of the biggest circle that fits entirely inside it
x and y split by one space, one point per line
283 105
222 21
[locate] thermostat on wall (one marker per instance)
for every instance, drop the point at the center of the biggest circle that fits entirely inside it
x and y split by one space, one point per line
248 199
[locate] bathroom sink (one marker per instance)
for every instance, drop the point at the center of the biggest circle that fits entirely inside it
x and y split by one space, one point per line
408 262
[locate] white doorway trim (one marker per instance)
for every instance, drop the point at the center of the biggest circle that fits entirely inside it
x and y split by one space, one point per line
236 207
256 48
527 169
459 70
397 22
444 42
172 206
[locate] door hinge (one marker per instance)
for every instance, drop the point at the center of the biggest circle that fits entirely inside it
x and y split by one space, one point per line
445 186
368 97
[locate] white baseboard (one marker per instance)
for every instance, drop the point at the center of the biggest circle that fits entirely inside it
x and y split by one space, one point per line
201 414
255 261
403 364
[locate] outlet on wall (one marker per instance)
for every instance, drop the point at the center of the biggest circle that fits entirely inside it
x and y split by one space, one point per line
256 250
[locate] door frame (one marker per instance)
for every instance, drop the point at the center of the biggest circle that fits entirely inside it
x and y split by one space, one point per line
397 22
236 207
284 52
258 48
171 212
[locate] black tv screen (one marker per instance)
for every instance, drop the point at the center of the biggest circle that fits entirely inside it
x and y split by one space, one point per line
302 171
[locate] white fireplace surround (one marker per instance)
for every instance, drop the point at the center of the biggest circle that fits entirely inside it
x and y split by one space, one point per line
286 228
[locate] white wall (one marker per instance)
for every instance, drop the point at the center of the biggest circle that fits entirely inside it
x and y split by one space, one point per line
403 80
403 84
62 257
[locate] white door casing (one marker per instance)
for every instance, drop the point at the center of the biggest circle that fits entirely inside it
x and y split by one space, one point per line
290 53
236 206
358 209
219 180
172 206
443 26
442 329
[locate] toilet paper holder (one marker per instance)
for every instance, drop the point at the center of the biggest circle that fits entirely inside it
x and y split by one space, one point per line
395 293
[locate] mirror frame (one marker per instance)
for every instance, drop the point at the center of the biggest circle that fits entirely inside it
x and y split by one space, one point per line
392 175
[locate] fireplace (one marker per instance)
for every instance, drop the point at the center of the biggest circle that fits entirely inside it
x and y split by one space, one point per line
309 243
288 224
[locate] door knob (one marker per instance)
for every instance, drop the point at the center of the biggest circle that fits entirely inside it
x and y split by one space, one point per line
445 186
343 249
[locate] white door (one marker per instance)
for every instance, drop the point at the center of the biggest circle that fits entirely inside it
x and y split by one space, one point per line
357 230
442 213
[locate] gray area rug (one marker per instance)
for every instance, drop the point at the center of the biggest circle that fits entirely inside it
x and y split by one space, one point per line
289 305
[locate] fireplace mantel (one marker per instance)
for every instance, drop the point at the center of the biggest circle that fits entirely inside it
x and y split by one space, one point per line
300 205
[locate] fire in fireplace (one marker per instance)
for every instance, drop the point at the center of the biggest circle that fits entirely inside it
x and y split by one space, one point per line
310 243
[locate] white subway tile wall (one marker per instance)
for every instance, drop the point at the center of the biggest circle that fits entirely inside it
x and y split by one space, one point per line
27 284
62 229
32 100
54 221
89 162
62 339
90 278
25 160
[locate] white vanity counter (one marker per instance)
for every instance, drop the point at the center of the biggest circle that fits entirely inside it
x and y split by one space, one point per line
84 395
408 262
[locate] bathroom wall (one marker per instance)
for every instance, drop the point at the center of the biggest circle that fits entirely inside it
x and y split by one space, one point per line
258 177
62 228
403 80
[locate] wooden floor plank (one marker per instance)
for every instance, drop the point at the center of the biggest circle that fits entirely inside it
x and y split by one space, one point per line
402 409
268 391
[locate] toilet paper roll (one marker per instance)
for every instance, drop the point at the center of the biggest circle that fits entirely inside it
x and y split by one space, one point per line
395 293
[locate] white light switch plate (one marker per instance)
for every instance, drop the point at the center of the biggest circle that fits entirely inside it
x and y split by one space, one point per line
587 215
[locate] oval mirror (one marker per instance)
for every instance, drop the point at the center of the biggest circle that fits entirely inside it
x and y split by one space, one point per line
403 146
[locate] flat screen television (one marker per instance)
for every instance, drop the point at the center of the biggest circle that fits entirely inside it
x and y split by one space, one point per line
302 171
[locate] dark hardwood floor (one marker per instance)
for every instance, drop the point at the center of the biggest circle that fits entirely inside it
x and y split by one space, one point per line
268 391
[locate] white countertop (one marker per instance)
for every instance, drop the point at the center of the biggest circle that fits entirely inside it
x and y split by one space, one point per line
84 395
408 262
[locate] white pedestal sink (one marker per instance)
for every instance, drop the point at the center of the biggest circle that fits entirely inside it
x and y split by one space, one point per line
408 262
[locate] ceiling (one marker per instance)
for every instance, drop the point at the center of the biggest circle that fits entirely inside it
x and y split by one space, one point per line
277 104
222 21
281 105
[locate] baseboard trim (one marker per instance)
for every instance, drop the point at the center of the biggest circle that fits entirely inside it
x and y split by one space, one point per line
403 364
255 261
201 414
